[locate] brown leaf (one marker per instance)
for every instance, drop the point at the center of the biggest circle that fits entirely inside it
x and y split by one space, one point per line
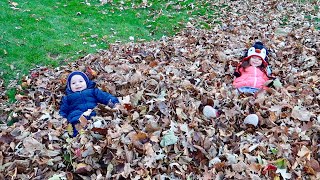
1 158
82 168
31 145
291 88
307 126
309 170
91 73
22 165
152 127
219 166
314 164
304 151
7 138
102 131
153 64
138 139
20 97
301 113
69 176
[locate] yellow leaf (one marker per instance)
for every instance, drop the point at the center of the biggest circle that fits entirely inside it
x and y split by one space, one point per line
70 129
276 178
82 168
82 131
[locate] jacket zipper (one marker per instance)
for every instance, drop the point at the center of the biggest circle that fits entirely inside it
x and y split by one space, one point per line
83 100
255 77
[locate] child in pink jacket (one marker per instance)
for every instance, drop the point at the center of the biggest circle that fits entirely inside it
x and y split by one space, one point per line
253 71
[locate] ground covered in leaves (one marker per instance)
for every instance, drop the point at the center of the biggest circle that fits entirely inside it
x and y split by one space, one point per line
163 87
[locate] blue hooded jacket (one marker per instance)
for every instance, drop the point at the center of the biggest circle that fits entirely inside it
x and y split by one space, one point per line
74 104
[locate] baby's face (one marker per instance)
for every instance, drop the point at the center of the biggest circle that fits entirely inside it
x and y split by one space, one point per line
78 83
255 61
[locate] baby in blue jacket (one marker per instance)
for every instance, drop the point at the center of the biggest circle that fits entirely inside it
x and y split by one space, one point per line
81 97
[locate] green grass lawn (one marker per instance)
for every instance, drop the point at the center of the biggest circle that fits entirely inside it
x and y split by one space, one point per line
52 33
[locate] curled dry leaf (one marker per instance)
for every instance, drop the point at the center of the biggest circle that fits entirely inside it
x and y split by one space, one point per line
82 168
31 145
314 164
304 152
301 113
138 139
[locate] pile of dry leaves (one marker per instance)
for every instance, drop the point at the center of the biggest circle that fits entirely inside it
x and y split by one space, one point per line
163 86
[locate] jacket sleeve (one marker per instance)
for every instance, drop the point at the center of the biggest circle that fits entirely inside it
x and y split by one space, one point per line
105 98
64 107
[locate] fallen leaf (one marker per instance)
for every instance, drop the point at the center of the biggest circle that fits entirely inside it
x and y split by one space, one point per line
82 168
301 113
31 145
138 139
168 139
284 174
304 152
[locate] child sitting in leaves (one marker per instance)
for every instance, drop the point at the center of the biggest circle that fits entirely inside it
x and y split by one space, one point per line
253 72
81 97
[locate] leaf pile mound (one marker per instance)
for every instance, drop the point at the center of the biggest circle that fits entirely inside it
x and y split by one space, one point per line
163 87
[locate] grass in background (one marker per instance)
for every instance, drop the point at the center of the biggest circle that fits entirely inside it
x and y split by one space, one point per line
52 33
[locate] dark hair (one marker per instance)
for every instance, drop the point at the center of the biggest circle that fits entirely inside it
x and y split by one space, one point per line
246 64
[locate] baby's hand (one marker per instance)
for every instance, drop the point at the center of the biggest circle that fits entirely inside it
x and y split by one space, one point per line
110 104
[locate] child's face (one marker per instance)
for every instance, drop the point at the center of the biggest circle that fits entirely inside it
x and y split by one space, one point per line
255 61
78 83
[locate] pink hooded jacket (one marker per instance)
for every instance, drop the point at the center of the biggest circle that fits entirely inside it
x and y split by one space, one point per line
251 77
